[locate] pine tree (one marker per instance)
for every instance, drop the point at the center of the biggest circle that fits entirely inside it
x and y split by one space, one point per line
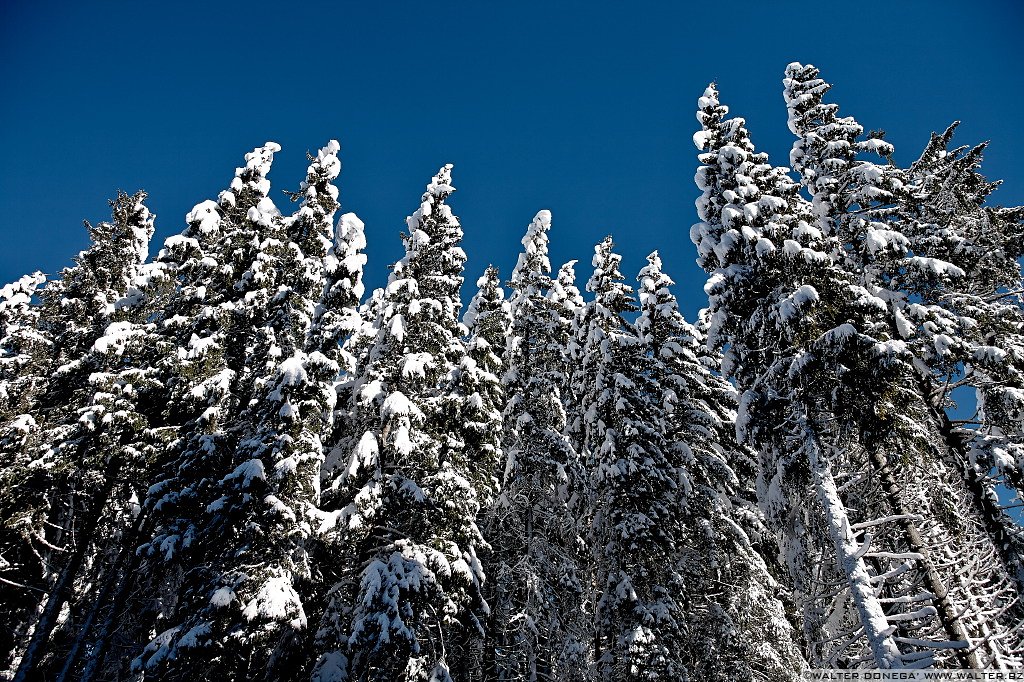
734 604
857 201
24 354
569 303
276 480
127 411
487 319
22 345
966 329
844 393
410 517
220 276
636 531
88 430
748 210
540 622
344 330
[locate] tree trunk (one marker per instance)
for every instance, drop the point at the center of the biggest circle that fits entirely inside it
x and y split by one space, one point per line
29 670
951 622
127 576
849 554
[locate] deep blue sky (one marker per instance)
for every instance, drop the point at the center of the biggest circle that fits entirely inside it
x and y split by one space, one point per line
582 108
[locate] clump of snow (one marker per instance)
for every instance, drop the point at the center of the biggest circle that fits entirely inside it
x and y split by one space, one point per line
327 158
195 637
937 268
276 600
159 648
793 305
292 371
398 404
365 454
205 217
115 338
414 365
878 238
247 471
222 596
332 667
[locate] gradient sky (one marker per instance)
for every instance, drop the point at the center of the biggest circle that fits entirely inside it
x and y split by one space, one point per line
582 108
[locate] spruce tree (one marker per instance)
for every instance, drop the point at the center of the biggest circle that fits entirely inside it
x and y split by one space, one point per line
487 319
735 622
636 531
127 412
343 329
856 200
966 327
268 502
220 278
541 592
88 428
24 354
22 345
569 303
748 212
410 515
846 393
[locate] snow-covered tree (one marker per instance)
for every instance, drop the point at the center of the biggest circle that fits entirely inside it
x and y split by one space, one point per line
569 302
22 345
540 623
126 414
766 325
88 429
733 603
223 316
24 355
345 329
966 326
336 317
487 319
245 602
636 530
832 405
857 201
479 381
408 604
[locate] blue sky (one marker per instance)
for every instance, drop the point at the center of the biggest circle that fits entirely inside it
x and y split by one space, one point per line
582 108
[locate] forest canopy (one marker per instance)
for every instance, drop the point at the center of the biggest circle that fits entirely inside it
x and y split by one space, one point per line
229 461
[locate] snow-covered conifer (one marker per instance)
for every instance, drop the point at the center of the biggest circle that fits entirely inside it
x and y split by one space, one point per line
479 382
569 302
967 328
89 427
220 279
22 345
487 318
540 622
841 399
24 355
636 531
858 202
765 324
734 604
337 314
408 605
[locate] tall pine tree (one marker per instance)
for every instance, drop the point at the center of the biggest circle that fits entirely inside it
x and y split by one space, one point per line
410 515
540 603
